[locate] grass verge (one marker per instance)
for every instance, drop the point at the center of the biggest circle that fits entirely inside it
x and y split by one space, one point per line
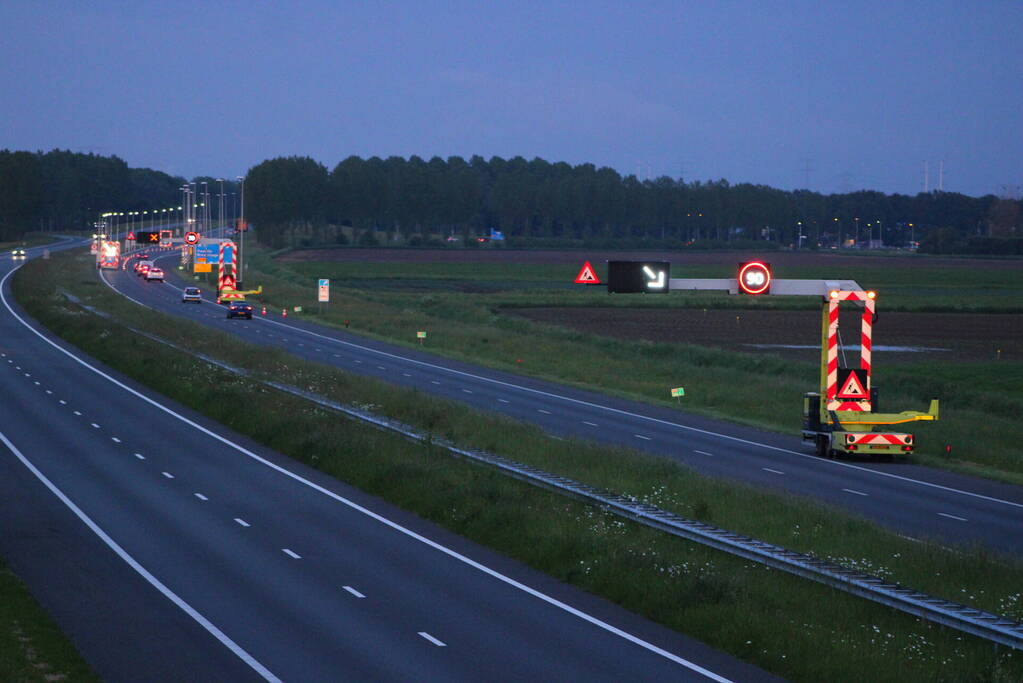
771 619
32 648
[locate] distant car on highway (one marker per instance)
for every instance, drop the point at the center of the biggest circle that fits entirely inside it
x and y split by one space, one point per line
154 273
239 309
18 254
191 294
142 267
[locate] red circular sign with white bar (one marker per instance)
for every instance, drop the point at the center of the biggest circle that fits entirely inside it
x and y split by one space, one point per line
191 238
755 277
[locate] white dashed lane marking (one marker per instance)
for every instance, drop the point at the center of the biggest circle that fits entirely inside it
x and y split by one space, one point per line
468 391
433 640
640 436
503 400
855 492
591 424
958 519
198 495
168 475
242 522
78 413
353 591
140 456
541 410
768 469
703 453
95 425
115 439
291 553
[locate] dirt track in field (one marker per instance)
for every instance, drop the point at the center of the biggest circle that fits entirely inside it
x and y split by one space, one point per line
728 258
959 336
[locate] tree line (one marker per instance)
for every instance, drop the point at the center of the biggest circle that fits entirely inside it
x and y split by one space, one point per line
539 203
63 190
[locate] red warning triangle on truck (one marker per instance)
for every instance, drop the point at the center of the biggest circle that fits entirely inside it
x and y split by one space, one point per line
587 276
852 386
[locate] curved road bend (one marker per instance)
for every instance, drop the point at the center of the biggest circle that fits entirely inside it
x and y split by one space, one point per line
170 548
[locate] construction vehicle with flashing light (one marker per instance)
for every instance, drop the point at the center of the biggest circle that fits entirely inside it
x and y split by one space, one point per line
842 417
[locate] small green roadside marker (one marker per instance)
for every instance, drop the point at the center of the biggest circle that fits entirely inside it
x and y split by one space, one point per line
678 392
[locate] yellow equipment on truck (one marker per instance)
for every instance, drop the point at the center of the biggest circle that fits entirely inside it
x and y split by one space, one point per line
843 417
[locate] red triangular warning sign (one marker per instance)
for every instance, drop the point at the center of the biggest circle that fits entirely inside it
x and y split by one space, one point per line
853 387
130 236
587 276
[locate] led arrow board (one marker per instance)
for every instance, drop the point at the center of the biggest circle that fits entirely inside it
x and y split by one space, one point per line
148 238
633 277
755 277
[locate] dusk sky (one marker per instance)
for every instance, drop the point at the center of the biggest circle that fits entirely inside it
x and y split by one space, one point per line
851 95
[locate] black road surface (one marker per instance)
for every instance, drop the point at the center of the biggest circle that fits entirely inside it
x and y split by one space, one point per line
171 549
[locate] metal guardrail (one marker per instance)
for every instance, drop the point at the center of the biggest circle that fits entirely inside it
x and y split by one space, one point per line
955 615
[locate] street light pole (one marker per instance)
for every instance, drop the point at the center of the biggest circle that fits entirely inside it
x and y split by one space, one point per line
243 228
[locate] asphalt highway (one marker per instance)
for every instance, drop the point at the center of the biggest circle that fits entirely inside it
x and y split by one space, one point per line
916 501
170 548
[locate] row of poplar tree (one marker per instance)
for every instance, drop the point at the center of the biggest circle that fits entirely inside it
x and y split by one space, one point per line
541 203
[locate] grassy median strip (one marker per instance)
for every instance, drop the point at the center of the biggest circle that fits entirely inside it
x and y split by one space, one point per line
774 620
32 648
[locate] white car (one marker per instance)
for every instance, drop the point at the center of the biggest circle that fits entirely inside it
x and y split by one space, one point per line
191 294
154 274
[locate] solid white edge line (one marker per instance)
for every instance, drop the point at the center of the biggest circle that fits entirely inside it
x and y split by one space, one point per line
433 640
816 460
142 571
650 647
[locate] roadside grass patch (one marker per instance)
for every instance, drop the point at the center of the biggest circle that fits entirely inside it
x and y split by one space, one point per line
32 648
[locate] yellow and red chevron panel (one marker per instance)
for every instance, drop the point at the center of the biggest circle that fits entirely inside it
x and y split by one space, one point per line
866 334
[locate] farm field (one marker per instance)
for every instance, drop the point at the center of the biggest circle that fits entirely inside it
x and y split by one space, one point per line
518 310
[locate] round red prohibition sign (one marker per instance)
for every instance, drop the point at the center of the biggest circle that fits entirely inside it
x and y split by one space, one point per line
191 238
754 277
